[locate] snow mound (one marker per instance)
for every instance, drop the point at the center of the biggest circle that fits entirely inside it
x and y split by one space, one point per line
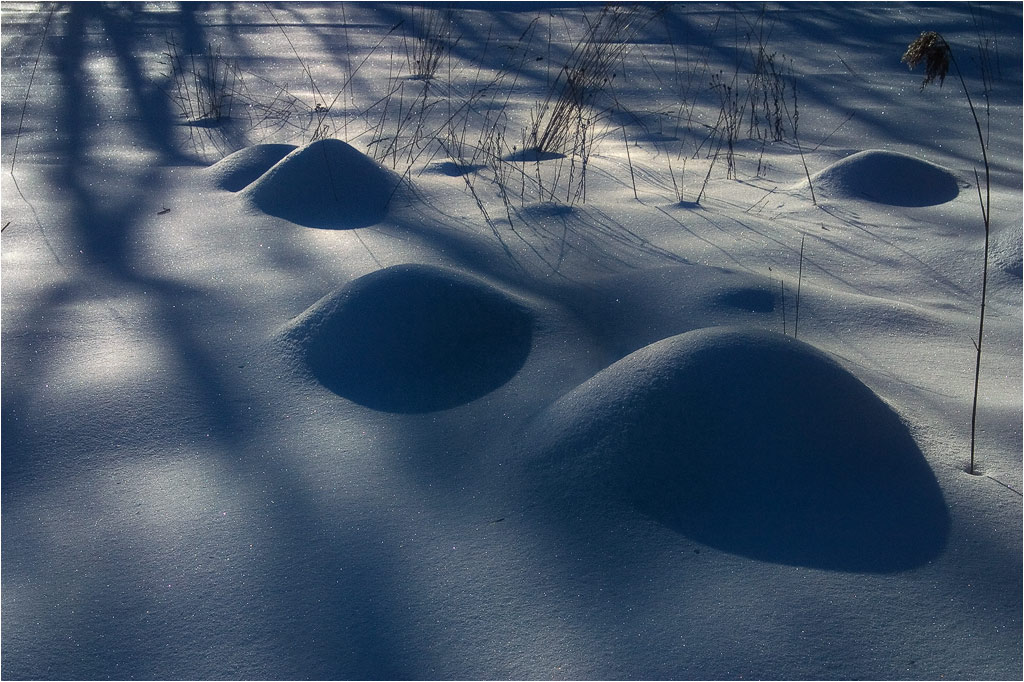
751 442
236 171
455 169
413 339
325 184
888 178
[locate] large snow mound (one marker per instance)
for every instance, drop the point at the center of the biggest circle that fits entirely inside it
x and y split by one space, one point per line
887 177
237 170
413 338
325 184
751 442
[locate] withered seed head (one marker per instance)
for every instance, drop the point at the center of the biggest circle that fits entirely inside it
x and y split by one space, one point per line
932 49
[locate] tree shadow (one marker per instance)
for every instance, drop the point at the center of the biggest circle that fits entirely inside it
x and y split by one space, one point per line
353 628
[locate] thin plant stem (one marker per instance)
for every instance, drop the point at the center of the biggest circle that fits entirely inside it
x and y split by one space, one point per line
632 177
782 288
799 281
28 90
985 214
932 49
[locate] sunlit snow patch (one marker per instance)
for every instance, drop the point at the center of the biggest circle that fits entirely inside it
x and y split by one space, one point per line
1007 249
751 442
413 338
326 184
236 171
886 177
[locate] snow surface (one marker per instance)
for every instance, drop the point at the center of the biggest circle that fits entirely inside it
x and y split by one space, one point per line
324 184
413 338
751 442
238 170
354 384
887 178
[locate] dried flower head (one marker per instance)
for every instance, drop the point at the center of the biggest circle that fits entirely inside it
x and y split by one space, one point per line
932 49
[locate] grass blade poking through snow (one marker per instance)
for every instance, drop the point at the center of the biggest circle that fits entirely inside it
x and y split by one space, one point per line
587 72
432 40
932 49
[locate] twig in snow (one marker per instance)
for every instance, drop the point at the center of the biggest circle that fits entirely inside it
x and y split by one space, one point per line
632 177
31 79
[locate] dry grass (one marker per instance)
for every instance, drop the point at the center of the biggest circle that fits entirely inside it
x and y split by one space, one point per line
933 50
560 119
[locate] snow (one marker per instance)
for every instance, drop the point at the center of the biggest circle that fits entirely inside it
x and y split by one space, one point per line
413 338
887 178
239 169
353 383
325 184
754 443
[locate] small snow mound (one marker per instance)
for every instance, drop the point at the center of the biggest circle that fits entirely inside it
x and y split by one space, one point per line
238 170
413 339
545 210
326 184
888 178
751 442
455 169
532 155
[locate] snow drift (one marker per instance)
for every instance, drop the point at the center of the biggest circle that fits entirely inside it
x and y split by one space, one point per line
887 177
190 490
325 184
238 170
413 338
751 442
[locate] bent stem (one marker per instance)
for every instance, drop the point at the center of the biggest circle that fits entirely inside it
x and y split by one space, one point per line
933 49
981 320
986 205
